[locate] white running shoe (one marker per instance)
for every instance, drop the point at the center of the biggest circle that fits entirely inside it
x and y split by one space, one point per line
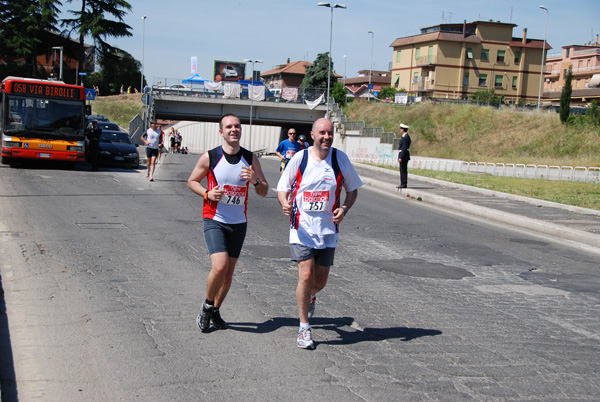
305 339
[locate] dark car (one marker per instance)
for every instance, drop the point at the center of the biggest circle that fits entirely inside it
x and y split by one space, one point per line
117 149
108 125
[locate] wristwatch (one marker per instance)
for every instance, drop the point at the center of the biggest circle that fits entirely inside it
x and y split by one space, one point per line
257 182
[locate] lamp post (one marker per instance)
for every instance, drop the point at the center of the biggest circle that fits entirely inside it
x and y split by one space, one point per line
60 48
322 4
143 35
251 95
543 58
371 67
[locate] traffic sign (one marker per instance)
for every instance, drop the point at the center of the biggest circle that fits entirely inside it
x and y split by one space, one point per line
82 73
90 94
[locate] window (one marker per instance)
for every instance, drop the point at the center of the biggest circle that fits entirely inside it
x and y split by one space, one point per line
469 53
466 79
430 55
498 81
565 73
500 56
568 52
396 79
416 77
485 54
483 80
418 53
514 84
398 54
517 56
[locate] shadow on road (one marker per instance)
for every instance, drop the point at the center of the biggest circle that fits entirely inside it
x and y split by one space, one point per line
348 336
8 384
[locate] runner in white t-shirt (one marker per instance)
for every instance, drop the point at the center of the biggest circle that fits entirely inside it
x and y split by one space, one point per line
309 192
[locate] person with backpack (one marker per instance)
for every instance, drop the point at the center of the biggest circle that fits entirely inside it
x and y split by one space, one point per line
309 192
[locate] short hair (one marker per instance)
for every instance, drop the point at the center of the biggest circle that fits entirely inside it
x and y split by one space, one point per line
226 115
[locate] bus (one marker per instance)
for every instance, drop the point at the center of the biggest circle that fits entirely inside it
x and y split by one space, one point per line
42 120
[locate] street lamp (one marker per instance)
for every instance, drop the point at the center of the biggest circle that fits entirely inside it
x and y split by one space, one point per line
143 35
371 68
322 4
251 94
543 58
60 75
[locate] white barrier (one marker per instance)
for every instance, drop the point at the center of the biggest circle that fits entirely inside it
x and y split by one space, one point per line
529 171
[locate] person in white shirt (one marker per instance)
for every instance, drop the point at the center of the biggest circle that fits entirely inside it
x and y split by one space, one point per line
152 140
309 192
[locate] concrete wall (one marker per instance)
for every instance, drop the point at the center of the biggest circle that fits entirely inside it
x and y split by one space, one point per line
199 137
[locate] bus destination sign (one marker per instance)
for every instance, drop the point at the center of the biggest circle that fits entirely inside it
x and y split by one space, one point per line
51 91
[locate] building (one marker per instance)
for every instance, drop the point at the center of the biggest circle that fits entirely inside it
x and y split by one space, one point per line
585 63
358 86
286 75
457 60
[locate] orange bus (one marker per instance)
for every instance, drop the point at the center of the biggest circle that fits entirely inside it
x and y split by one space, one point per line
42 119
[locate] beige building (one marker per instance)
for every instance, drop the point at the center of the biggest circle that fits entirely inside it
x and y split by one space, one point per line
457 60
585 63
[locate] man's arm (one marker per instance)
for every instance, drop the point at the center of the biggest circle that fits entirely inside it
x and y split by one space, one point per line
254 172
200 171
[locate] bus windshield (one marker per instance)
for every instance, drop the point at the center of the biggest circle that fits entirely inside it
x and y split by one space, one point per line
43 118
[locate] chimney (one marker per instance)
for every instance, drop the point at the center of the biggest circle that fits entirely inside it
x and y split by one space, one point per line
288 61
524 35
596 39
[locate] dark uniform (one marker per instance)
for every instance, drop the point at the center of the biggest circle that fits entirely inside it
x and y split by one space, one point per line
404 156
93 135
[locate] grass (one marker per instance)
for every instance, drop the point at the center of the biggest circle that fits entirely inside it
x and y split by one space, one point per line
119 108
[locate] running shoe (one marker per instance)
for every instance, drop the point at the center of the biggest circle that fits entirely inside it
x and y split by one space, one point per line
217 321
305 339
311 311
203 319
151 178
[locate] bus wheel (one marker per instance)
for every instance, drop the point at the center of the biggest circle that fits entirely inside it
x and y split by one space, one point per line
5 160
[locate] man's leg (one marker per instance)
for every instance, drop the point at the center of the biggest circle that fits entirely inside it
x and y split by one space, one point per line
152 161
304 287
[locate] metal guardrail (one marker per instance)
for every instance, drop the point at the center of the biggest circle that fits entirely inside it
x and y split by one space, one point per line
527 171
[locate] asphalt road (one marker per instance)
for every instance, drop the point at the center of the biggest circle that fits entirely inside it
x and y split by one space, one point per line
103 274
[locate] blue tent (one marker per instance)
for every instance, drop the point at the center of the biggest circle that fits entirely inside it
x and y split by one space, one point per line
195 79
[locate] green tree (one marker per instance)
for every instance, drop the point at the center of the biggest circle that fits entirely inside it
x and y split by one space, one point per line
91 20
565 97
23 24
338 93
487 96
593 113
387 92
316 75
116 69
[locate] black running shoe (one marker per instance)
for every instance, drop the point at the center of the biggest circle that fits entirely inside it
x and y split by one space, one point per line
217 321
203 319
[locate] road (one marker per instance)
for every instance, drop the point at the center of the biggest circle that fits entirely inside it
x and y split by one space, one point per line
103 274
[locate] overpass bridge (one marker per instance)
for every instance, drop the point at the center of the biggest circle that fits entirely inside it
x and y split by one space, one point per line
195 108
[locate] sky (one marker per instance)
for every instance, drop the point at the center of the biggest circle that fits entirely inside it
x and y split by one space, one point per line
274 30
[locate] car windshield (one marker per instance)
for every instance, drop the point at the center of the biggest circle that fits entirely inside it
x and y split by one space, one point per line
104 125
115 138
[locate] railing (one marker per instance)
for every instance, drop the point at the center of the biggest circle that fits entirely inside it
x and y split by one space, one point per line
543 172
586 52
426 60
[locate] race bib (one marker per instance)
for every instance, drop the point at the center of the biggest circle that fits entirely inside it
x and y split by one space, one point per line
289 154
234 195
315 201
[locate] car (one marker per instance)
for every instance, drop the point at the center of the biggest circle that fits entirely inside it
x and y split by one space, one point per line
98 117
230 72
108 125
117 149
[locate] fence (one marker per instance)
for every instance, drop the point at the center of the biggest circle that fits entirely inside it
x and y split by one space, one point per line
545 172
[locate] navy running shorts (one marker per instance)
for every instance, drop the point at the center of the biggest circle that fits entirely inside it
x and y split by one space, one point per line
221 237
150 152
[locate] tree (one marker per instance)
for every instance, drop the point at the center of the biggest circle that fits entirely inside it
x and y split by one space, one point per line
116 69
23 24
593 113
91 20
338 93
316 75
387 92
487 96
565 97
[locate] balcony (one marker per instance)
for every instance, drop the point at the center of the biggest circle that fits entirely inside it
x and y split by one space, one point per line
426 61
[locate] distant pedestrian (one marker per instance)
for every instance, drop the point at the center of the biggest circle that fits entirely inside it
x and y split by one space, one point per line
404 155
151 140
287 149
229 170
303 142
172 140
161 143
121 90
309 192
94 133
